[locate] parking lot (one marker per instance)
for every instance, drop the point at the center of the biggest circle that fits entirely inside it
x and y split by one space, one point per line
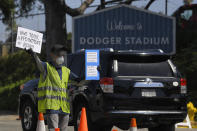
8 122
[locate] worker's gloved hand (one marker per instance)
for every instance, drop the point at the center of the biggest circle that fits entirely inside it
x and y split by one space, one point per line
29 51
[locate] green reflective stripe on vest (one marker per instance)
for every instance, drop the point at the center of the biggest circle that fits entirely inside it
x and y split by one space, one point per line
53 97
52 88
52 91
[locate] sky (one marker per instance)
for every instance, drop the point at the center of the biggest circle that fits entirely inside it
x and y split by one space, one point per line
37 23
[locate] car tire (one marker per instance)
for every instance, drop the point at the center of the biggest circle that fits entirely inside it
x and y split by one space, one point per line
170 127
105 128
29 116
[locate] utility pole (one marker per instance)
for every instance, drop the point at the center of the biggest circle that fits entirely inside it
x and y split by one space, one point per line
12 43
166 10
102 4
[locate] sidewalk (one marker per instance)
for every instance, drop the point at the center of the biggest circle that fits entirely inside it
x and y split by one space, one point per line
8 115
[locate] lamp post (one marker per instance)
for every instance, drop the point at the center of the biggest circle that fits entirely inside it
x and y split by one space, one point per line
166 10
12 43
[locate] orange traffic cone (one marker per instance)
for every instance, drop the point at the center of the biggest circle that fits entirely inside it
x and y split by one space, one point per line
133 126
40 124
57 129
114 130
83 126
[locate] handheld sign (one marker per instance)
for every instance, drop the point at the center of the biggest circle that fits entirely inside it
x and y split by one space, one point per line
92 62
27 39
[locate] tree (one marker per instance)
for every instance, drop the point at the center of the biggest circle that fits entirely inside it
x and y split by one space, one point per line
6 9
55 12
187 2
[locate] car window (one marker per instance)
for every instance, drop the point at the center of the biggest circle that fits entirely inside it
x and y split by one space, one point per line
144 69
76 64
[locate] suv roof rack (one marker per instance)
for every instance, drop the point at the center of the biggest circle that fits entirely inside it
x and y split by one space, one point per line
101 49
143 51
139 52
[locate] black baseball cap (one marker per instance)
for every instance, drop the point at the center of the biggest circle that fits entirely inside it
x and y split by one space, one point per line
59 50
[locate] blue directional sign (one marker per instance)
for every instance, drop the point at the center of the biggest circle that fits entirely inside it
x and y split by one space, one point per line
124 27
91 64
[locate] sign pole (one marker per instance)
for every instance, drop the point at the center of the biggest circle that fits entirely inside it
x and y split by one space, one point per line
166 10
12 43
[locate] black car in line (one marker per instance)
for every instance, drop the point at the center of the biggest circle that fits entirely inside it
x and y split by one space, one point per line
145 85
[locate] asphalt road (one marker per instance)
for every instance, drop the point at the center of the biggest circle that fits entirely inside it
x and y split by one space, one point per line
8 122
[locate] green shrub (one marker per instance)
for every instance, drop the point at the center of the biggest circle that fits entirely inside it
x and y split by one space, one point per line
9 95
16 67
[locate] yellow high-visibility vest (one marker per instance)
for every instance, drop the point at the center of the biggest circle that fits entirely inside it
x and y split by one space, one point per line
52 91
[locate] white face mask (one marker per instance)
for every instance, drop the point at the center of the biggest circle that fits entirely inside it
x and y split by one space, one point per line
60 60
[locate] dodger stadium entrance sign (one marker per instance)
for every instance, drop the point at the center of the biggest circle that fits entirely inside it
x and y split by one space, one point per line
124 28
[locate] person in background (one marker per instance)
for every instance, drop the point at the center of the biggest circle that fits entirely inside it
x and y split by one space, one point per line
52 88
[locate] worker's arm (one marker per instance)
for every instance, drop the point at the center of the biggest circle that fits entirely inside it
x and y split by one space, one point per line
73 77
73 81
39 63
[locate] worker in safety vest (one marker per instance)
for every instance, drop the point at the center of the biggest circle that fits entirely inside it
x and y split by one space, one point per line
52 88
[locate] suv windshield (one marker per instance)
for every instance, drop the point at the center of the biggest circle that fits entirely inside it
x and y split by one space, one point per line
143 69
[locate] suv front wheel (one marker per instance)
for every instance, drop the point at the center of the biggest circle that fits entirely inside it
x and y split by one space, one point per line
29 116
169 127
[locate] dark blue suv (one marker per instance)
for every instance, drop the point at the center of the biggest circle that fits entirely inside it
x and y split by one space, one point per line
137 84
